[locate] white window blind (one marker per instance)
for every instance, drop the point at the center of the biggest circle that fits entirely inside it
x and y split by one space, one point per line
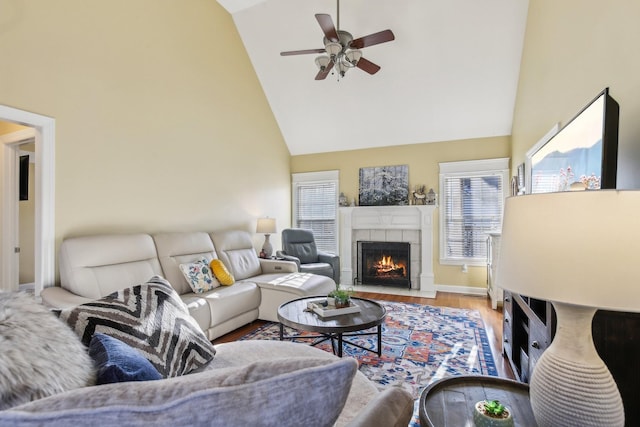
472 200
315 202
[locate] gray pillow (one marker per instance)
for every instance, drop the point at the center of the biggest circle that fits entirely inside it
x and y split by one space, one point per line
285 393
151 318
39 355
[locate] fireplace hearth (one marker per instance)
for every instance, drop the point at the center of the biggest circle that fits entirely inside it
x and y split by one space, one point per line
384 263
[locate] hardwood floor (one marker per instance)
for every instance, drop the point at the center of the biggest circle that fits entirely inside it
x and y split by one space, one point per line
492 320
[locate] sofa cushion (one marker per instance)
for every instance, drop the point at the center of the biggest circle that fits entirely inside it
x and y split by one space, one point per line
297 284
95 266
150 317
35 348
221 273
235 249
118 362
180 248
290 392
199 276
240 353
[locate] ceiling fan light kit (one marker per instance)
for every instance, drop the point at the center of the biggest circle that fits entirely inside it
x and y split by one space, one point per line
341 51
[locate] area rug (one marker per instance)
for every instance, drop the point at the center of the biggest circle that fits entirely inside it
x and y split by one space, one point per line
420 344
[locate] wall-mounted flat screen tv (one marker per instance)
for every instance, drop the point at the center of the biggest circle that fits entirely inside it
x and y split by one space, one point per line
583 154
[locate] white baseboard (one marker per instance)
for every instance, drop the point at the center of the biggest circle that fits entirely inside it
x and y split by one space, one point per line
467 290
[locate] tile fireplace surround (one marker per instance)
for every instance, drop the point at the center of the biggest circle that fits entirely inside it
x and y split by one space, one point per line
413 224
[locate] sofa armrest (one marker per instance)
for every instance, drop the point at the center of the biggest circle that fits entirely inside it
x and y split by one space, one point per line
392 407
290 258
333 260
277 266
57 297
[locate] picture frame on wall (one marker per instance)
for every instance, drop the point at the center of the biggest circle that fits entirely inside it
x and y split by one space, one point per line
514 185
384 186
521 182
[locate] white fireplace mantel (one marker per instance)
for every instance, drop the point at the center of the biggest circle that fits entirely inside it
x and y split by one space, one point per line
415 217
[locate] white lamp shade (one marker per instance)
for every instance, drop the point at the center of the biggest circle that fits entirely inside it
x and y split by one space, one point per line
266 226
333 49
578 248
353 56
322 61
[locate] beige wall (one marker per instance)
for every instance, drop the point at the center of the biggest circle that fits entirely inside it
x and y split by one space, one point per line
161 123
8 127
574 49
423 162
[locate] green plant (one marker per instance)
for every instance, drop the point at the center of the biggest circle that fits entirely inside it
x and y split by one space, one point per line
341 296
494 408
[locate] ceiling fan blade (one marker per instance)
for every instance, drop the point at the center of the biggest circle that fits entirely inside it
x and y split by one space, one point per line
326 23
301 52
373 39
368 66
322 74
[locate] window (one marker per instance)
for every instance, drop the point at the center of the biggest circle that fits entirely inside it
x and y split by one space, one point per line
472 197
315 206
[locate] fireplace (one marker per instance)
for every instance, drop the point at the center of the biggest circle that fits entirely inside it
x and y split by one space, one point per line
384 263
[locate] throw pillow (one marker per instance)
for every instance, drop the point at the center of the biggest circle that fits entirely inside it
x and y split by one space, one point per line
118 362
285 393
150 317
221 272
40 356
199 276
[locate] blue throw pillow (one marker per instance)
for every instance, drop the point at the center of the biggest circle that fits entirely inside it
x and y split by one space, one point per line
117 362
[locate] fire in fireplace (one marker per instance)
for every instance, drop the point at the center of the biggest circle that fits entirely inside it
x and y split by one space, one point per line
384 263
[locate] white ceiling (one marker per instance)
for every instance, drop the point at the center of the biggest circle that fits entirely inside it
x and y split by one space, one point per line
451 73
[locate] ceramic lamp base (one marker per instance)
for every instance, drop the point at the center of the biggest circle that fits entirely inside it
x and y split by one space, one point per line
267 248
571 386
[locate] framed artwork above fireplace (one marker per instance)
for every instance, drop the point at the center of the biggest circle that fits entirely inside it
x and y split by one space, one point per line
384 186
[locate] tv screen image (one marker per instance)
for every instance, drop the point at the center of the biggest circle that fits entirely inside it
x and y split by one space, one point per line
583 154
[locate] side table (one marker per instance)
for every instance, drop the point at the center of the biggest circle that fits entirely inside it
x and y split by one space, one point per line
449 402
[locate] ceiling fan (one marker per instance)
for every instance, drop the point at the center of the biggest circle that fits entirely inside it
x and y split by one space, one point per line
341 51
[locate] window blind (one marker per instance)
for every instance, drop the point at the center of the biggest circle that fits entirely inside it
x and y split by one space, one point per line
473 206
316 209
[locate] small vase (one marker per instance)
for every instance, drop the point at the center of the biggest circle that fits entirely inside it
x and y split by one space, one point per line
342 303
481 419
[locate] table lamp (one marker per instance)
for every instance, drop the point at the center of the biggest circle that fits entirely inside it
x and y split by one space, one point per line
266 226
579 251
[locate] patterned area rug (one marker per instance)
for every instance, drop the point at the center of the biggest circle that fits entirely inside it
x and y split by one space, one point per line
421 344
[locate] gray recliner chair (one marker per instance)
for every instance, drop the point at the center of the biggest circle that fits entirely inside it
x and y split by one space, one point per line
299 245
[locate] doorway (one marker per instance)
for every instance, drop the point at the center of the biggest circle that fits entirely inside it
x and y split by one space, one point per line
42 130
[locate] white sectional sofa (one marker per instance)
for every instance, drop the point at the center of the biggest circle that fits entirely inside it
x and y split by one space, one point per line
279 375
92 267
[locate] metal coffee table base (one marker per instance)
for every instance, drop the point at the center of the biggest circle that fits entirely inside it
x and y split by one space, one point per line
339 337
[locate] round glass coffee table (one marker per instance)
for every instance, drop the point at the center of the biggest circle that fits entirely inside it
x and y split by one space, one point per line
336 328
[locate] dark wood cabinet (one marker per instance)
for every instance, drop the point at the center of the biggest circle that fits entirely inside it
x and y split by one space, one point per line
528 329
529 326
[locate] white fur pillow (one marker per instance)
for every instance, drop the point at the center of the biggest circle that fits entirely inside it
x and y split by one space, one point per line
40 356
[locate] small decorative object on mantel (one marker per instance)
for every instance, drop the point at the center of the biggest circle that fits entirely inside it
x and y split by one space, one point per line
432 197
492 413
342 200
419 197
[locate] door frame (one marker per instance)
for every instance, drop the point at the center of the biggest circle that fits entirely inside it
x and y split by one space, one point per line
43 132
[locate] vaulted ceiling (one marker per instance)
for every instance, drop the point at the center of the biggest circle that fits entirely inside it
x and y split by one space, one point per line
451 73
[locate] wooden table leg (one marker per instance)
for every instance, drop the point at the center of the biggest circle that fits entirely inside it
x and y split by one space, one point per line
339 345
379 340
